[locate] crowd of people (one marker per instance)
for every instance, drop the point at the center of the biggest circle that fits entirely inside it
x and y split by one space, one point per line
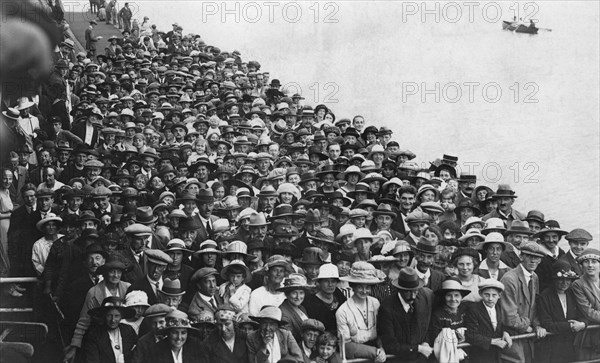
176 205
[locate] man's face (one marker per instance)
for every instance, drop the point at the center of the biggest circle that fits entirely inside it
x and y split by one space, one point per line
45 158
493 252
208 285
417 228
268 203
505 204
363 246
50 177
158 323
209 259
45 203
407 201
530 262
309 337
424 260
258 232
409 295
383 222
490 297
550 240
206 209
517 238
276 274
155 271
74 203
334 152
29 197
578 247
93 261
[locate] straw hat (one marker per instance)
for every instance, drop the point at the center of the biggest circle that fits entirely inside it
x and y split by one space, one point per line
269 313
177 319
50 217
236 264
490 283
452 284
295 282
136 298
363 233
494 237
328 271
362 272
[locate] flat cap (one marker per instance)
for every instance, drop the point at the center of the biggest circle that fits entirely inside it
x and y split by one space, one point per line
579 234
313 324
158 257
138 230
532 248
157 310
93 164
418 216
204 272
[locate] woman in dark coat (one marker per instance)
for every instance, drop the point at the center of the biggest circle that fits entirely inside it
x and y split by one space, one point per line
557 309
293 313
324 304
111 341
178 342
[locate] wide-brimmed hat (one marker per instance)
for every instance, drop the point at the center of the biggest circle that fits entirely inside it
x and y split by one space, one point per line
257 219
111 264
551 226
295 282
328 271
361 188
50 217
466 203
518 227
407 280
269 313
313 256
324 235
110 303
362 272
172 287
205 196
494 225
345 230
277 261
562 270
313 216
177 319
207 246
363 233
136 298
426 246
177 244
236 264
466 251
473 232
237 248
452 284
471 221
283 210
493 237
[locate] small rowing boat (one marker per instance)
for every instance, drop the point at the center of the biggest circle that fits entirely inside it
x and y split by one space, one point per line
519 27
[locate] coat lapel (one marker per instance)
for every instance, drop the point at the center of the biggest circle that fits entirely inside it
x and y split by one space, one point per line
523 284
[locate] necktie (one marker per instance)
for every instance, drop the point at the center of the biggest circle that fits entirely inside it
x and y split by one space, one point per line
95 279
212 303
411 309
208 228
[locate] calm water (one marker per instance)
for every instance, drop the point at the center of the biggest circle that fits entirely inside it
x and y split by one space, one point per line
377 58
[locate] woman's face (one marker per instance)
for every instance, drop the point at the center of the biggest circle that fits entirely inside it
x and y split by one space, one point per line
465 266
404 259
432 237
481 194
219 193
296 297
466 213
428 196
177 337
168 200
453 299
591 267
493 252
327 286
114 276
361 290
286 197
50 228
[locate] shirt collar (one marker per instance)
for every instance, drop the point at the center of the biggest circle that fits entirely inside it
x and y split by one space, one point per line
405 305
205 297
527 273
422 275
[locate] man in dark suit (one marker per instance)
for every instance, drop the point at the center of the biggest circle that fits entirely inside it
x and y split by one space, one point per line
145 216
549 236
207 298
206 205
151 283
133 254
156 314
101 196
404 318
75 169
20 176
483 321
225 344
417 221
37 174
519 303
425 252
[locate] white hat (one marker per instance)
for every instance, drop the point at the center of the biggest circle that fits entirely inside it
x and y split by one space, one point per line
328 271
136 298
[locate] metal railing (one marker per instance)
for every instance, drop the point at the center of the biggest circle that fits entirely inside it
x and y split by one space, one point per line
461 345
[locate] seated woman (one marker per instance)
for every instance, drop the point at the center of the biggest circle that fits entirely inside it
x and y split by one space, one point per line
293 313
587 294
111 341
558 313
357 317
449 313
178 345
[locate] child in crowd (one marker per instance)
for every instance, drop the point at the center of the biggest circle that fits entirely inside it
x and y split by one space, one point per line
235 292
325 352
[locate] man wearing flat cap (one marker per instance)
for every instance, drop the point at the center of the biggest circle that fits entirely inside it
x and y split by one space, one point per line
133 255
207 297
156 262
518 303
156 315
226 344
311 329
578 239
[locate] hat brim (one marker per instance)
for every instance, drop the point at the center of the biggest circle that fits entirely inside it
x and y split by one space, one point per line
355 280
40 224
442 292
126 312
419 285
261 319
287 289
225 270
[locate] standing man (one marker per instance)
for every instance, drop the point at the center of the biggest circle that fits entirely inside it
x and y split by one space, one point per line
152 282
516 234
505 197
403 318
518 303
125 14
91 39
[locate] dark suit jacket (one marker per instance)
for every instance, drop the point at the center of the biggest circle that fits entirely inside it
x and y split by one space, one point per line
214 349
70 172
408 238
76 292
22 234
17 185
510 259
161 352
143 284
287 345
97 346
480 333
35 175
558 348
79 130
544 270
435 280
115 209
135 269
203 235
143 348
198 303
401 332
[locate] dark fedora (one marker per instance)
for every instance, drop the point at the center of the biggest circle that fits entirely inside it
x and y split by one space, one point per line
467 203
283 210
313 256
551 226
407 280
384 209
144 215
306 177
426 246
536 216
187 196
467 178
205 196
503 191
313 216
361 188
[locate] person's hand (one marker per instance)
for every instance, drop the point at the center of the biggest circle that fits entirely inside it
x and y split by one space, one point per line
381 357
425 349
506 337
529 330
500 343
577 325
70 352
540 332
